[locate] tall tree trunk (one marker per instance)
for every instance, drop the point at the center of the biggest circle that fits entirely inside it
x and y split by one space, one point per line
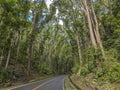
18 42
87 13
32 38
9 53
79 52
30 59
50 57
1 58
97 34
110 6
93 27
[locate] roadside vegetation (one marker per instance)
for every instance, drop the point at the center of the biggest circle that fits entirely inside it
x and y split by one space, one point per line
68 85
77 37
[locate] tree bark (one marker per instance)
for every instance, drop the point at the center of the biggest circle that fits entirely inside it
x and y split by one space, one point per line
87 13
110 6
1 58
31 42
79 52
97 34
18 42
9 53
30 59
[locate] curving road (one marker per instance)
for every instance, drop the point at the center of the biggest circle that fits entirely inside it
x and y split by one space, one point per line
55 83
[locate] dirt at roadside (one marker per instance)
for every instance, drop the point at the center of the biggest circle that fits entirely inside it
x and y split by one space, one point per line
88 84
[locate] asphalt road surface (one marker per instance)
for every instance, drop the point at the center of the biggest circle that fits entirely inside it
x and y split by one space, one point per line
55 83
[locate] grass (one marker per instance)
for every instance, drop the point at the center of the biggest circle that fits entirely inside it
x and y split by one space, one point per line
68 84
87 83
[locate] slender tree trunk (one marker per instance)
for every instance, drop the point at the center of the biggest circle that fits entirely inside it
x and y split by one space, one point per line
9 53
50 57
110 6
30 59
1 58
97 34
87 13
93 27
18 43
32 38
79 52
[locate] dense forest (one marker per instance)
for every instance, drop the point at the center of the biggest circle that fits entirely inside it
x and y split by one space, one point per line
76 37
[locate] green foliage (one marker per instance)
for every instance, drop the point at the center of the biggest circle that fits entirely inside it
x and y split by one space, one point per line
106 71
85 70
2 75
5 75
114 71
112 54
38 43
45 69
109 72
75 68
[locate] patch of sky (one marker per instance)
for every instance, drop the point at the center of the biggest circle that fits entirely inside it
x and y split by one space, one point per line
60 22
30 17
57 11
48 3
42 19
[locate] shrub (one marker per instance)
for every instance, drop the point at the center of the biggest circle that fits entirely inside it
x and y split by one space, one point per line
114 72
109 71
75 68
5 75
85 70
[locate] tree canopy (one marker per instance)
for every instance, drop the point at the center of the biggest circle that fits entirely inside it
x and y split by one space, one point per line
60 37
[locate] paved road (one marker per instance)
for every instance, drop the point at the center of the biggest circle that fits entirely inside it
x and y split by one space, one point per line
55 83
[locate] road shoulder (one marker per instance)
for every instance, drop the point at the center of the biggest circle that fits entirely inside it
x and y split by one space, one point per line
68 85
